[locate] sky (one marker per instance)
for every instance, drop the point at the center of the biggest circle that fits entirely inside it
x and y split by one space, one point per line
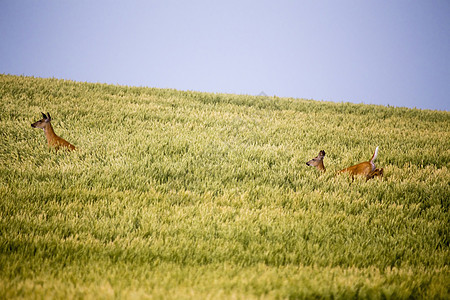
382 52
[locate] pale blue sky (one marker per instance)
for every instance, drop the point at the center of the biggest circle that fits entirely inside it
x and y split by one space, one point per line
379 52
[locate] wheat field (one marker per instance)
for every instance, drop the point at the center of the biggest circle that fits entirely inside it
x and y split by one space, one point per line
187 195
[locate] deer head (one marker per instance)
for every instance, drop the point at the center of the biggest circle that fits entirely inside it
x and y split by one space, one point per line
317 161
43 122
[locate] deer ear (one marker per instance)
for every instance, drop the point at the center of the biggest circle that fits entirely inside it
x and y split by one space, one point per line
48 117
44 116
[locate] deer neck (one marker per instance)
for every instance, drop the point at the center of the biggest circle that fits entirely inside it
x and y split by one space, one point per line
49 133
320 166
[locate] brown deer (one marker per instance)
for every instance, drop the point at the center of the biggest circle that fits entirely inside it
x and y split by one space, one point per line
53 140
366 169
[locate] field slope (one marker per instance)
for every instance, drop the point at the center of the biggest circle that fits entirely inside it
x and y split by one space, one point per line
179 194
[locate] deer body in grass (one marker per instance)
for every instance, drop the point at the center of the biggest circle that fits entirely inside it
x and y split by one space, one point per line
53 140
366 168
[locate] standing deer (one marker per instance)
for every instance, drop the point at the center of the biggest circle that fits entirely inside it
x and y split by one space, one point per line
366 168
53 140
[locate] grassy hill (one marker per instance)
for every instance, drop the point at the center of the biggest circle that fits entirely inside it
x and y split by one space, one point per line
179 194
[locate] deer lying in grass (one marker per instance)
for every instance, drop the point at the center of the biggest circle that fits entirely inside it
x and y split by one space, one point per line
53 140
366 168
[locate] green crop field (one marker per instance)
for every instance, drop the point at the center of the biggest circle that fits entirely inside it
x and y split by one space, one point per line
188 195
